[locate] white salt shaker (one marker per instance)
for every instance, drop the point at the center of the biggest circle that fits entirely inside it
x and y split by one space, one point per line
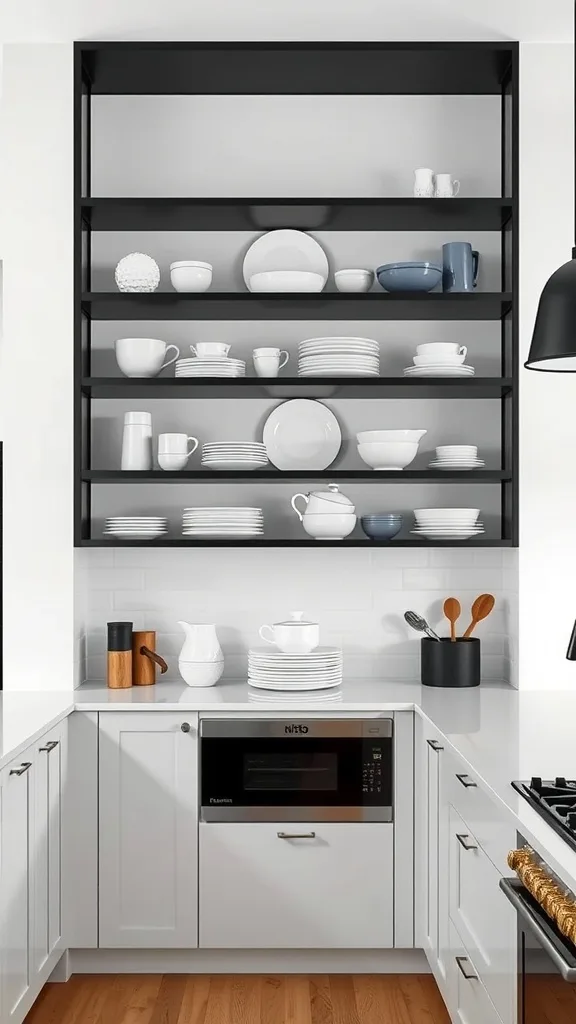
137 441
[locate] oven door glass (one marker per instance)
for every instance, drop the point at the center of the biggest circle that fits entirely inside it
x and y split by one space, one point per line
296 777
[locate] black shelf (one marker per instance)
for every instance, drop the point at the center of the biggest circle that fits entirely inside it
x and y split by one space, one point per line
119 476
322 306
280 388
293 542
295 68
321 214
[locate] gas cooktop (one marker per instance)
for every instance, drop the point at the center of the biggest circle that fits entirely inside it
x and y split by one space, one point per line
555 801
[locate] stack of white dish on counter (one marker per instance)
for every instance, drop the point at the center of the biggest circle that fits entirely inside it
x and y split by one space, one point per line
439 359
136 527
227 455
447 523
222 521
339 357
298 663
457 456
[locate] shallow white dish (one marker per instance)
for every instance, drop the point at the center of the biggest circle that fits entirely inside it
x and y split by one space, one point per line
302 434
339 348
353 360
435 360
277 281
285 249
335 340
441 371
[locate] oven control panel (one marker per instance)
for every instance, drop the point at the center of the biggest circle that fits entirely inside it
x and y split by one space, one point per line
372 770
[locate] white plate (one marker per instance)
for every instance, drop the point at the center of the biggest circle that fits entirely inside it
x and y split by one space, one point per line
339 361
302 698
337 340
231 513
453 371
325 349
231 466
284 249
302 434
210 373
212 361
289 673
318 652
456 465
338 371
315 686
151 535
231 446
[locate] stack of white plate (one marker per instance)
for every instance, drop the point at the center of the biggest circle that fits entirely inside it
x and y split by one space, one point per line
338 357
273 670
447 523
223 522
457 456
299 698
234 455
218 366
136 527
439 370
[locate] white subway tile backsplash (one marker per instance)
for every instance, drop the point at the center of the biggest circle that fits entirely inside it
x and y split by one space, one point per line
359 598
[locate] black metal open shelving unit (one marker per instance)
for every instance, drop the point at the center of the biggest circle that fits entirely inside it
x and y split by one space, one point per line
119 68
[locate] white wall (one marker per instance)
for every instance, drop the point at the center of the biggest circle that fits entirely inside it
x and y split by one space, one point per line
37 365
547 566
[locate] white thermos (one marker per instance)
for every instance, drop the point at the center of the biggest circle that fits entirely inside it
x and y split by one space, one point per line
137 441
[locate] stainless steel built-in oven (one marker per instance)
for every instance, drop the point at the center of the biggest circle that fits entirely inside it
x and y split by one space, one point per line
296 770
546 962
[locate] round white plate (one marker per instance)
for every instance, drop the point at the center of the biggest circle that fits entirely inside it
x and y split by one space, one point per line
284 249
236 446
309 686
338 371
231 466
308 360
318 652
337 340
452 371
302 434
329 350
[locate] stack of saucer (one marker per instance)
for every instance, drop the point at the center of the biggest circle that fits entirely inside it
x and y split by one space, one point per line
338 357
223 522
136 527
218 366
447 523
457 456
321 669
234 455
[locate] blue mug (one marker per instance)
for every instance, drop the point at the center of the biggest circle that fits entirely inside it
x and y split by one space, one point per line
459 267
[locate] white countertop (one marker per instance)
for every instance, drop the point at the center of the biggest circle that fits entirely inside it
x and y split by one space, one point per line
501 733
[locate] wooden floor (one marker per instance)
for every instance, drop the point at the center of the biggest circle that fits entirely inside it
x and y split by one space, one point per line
241 999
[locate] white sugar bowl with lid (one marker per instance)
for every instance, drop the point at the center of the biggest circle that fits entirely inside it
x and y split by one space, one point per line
330 502
294 636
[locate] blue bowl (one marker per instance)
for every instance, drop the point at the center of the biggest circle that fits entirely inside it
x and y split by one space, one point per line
381 527
409 277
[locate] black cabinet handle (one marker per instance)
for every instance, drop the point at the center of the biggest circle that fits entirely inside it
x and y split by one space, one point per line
185 727
49 746
461 960
296 835
467 846
467 782
435 745
23 768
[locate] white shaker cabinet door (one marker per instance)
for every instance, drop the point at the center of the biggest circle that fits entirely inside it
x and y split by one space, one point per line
329 887
46 930
16 821
148 825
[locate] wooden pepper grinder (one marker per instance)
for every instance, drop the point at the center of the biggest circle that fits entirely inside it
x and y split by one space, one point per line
145 659
119 655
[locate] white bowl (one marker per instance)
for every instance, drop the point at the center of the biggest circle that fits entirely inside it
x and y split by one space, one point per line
438 360
460 515
379 436
388 455
287 281
333 526
201 673
354 280
190 276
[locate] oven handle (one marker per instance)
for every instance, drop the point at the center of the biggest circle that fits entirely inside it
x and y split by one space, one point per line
554 948
296 835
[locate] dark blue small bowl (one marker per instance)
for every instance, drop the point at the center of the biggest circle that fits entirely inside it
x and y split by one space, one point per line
409 277
381 527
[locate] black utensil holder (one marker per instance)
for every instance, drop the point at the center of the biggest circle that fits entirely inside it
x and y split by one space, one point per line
450 664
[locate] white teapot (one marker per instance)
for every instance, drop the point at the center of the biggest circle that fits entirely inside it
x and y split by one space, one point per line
293 636
329 515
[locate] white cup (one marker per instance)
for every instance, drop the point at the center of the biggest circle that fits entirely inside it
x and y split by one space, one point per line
176 445
294 637
269 361
210 349
446 187
442 351
143 357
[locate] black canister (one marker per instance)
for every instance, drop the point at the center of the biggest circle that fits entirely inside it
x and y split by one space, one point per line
450 663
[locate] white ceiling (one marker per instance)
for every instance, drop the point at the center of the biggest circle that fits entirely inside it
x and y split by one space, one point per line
61 20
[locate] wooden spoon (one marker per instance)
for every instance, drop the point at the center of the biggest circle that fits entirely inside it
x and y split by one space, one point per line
452 612
482 607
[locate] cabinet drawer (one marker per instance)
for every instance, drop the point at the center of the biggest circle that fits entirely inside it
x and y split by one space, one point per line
485 921
469 1002
490 824
330 890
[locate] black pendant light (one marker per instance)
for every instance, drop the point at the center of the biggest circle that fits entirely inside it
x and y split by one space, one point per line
553 347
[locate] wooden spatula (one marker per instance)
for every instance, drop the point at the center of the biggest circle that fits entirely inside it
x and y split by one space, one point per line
482 607
452 611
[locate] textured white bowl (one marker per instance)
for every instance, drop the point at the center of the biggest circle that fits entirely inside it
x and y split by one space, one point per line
333 526
388 455
201 673
354 280
380 436
191 277
286 281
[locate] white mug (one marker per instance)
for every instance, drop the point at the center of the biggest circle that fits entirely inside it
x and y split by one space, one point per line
210 349
143 357
446 187
424 182
269 361
443 350
176 444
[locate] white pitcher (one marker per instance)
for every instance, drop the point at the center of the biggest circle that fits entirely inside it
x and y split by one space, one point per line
424 183
201 660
